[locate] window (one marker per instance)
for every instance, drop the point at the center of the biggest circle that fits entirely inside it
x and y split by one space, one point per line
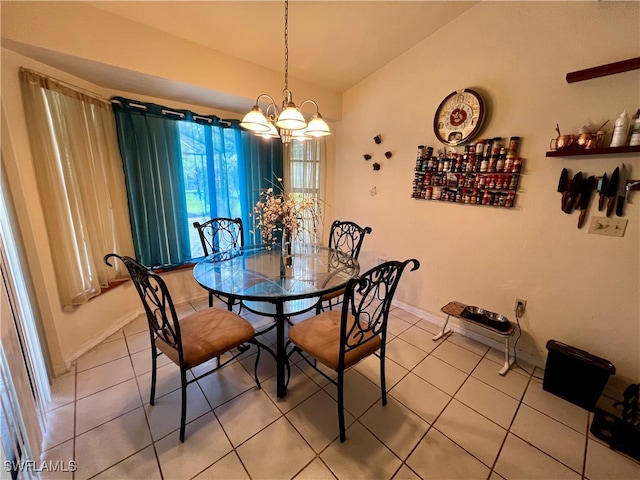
305 166
214 195
182 167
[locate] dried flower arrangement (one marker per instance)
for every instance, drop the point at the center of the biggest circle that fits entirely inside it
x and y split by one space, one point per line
276 211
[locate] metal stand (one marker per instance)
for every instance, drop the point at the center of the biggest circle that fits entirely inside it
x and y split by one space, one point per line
455 309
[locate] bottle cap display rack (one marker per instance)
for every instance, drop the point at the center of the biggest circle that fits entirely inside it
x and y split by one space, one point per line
485 174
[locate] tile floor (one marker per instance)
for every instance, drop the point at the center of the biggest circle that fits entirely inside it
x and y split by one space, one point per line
449 416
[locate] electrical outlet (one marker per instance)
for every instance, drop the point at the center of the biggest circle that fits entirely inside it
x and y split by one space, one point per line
613 227
520 306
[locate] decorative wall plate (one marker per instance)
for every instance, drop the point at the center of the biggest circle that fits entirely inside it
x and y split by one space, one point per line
459 117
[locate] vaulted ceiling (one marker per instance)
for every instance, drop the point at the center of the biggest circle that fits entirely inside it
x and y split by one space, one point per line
332 44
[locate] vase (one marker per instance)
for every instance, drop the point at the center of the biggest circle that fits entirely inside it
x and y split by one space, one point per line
287 256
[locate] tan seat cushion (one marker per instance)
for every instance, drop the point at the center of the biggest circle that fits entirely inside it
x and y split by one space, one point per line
207 334
319 336
332 295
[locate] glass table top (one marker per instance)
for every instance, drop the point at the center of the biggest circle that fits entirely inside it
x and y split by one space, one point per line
259 274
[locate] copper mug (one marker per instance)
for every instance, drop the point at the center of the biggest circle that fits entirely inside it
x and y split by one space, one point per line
586 140
561 142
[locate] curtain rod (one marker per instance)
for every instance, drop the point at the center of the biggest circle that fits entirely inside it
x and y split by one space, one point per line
70 86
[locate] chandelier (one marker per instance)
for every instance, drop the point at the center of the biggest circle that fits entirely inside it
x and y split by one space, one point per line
286 122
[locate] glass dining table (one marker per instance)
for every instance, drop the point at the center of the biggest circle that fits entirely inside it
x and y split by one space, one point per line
271 284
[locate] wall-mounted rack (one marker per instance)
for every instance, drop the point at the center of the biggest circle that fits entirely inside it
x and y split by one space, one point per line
604 70
593 151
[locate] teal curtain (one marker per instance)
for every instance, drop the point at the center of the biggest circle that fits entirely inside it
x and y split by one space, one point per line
149 144
175 159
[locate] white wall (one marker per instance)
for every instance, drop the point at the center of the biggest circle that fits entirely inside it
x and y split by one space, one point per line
581 289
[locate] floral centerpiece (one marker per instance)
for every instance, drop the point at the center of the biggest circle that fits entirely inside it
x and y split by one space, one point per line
289 213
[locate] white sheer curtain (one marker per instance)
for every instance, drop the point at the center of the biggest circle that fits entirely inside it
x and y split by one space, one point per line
80 181
305 163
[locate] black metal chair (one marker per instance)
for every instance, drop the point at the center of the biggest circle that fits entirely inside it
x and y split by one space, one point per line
348 238
192 340
340 339
220 234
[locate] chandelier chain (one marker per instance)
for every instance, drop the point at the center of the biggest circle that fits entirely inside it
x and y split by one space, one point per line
286 45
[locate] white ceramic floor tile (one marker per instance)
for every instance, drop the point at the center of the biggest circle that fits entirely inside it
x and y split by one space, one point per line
262 454
228 467
439 373
316 470
488 401
404 354
476 434
396 426
376 443
204 444
404 315
521 461
300 388
405 473
164 415
63 390
459 357
266 365
104 446
137 325
429 326
142 465
142 361
420 396
61 459
437 457
420 338
360 456
396 325
59 426
226 383
603 463
103 353
470 344
103 376
317 420
138 341
556 407
370 368
513 383
167 381
552 437
247 415
359 393
106 405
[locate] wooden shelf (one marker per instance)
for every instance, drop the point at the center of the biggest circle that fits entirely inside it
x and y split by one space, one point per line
603 70
593 151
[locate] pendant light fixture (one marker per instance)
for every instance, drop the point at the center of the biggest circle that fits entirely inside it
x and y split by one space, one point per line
288 121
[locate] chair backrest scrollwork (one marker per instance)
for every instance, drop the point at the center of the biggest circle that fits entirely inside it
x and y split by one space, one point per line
219 234
347 237
367 302
157 302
